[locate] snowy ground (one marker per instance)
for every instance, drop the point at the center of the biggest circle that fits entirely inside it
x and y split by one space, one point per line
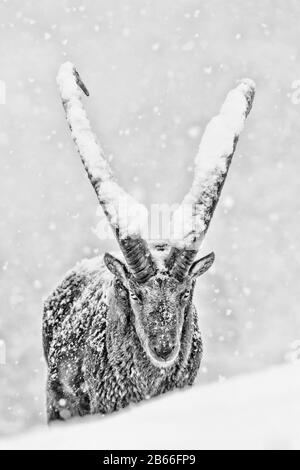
255 411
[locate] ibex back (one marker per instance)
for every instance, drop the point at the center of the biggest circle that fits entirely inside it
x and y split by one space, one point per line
120 329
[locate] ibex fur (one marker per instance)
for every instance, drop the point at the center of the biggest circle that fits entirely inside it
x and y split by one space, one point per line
120 329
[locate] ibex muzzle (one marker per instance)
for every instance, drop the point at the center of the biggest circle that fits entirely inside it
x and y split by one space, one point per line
119 329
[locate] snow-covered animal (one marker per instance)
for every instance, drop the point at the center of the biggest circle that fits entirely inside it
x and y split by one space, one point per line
119 329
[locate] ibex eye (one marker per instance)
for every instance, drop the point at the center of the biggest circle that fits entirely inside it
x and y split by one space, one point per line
185 295
134 296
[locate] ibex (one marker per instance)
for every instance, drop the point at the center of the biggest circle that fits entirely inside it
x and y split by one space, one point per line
118 330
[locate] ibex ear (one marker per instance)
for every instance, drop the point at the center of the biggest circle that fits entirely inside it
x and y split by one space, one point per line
115 266
200 266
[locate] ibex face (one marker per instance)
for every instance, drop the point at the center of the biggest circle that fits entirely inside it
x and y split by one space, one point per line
158 306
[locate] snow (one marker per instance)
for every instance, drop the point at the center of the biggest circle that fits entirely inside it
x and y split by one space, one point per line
125 214
89 149
211 166
219 136
255 411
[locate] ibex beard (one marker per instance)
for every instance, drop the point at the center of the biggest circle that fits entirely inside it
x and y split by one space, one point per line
120 329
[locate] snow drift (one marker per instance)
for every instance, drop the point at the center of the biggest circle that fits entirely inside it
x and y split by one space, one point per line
258 411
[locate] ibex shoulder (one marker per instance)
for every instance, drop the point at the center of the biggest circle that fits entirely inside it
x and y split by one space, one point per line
74 288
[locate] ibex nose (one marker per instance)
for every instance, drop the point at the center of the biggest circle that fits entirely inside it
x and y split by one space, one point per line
163 352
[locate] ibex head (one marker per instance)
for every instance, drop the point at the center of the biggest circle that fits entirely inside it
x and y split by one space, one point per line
158 305
159 293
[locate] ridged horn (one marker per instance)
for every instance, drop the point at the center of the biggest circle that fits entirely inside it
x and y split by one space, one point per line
111 196
211 168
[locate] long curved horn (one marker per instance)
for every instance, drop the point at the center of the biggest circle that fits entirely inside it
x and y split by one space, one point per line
191 220
125 215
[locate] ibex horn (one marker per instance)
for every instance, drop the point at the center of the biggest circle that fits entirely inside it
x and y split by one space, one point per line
110 195
211 167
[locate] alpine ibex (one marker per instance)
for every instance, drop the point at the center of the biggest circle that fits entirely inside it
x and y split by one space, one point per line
121 329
